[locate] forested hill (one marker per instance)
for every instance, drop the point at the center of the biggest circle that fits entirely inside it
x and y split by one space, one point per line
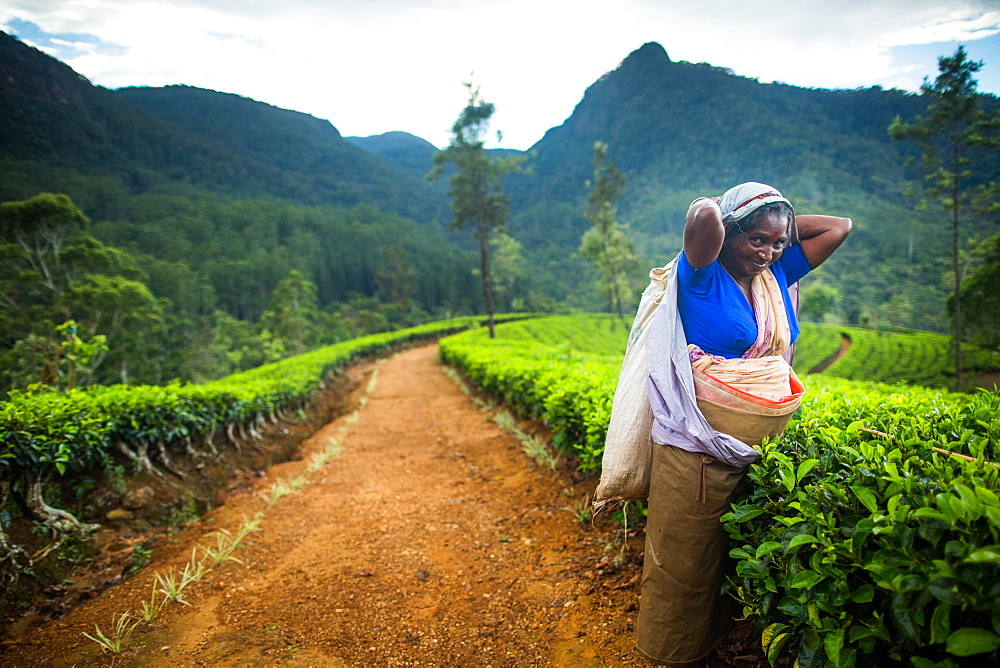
677 129
223 233
175 138
682 128
406 151
158 170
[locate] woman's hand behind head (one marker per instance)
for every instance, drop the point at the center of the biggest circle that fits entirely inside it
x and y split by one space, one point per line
821 236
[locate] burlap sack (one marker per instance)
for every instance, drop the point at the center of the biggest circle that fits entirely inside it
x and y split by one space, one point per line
628 449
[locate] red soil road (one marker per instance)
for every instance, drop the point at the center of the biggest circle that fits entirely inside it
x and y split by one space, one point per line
431 539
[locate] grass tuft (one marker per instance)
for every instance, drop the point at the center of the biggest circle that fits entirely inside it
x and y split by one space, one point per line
581 509
457 378
121 631
152 607
172 586
533 446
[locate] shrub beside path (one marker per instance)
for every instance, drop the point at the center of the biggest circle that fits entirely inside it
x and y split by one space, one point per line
431 539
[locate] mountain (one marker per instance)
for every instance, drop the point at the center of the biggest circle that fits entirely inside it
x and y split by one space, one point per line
408 152
679 130
413 154
676 127
164 139
202 204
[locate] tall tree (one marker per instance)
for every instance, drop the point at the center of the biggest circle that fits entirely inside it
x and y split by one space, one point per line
949 133
606 242
40 226
50 273
129 316
816 300
397 278
291 312
477 197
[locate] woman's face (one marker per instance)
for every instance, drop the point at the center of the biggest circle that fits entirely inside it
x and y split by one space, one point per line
749 253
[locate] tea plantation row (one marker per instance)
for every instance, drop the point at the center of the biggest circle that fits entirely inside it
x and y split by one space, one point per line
45 436
861 541
918 358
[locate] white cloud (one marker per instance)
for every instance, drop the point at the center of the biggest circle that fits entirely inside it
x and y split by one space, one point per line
816 43
381 65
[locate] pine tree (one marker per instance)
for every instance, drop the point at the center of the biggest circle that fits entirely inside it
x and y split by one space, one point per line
477 197
606 242
949 133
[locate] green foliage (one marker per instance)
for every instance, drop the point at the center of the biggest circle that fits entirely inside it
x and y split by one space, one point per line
121 630
397 279
815 344
863 540
78 356
124 311
914 358
291 312
817 300
53 274
43 434
920 358
139 558
507 269
564 369
196 311
981 296
853 546
209 252
39 226
950 131
556 369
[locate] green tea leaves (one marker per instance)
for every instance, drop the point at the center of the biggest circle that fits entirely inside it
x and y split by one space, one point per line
867 497
969 641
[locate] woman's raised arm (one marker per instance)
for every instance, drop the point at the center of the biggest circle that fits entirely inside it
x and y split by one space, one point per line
820 236
703 233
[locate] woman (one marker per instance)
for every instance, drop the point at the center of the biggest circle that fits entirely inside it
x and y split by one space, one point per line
733 321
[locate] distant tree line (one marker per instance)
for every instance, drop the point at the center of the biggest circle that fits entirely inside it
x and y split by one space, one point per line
197 289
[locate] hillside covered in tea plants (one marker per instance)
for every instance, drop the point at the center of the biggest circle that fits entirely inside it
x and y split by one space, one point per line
871 531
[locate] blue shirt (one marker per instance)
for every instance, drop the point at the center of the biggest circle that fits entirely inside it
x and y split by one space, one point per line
717 316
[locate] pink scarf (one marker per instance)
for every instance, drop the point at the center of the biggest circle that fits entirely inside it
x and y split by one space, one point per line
761 371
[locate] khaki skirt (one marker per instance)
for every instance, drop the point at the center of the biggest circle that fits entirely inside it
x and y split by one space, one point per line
681 613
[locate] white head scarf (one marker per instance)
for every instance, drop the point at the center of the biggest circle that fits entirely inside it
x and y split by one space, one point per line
742 200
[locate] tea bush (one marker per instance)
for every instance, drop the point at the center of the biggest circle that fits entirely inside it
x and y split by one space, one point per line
815 344
915 358
556 369
859 538
863 540
46 435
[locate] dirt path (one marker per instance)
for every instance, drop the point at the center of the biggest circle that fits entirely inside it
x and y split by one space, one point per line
842 349
431 539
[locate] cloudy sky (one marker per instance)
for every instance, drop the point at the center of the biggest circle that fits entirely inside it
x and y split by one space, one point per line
371 66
